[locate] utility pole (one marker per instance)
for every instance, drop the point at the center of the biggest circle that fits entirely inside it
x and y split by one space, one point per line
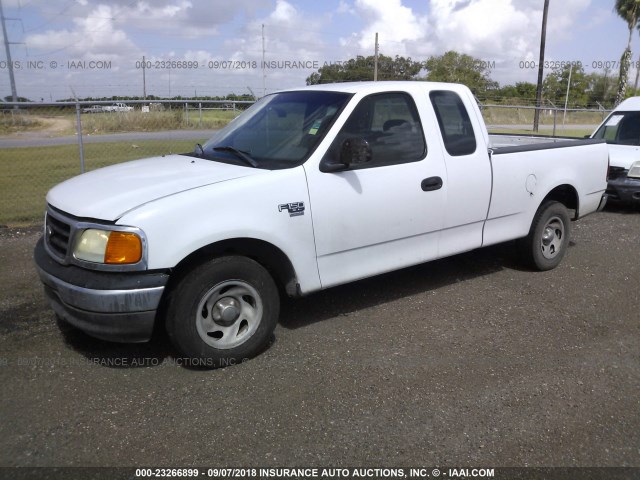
264 74
144 78
543 38
375 62
9 62
566 100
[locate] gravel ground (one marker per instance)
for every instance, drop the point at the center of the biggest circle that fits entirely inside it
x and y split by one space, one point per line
470 360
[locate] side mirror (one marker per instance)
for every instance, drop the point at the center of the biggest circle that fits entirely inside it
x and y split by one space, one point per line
355 151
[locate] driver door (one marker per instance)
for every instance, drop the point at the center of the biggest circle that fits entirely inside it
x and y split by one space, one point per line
386 213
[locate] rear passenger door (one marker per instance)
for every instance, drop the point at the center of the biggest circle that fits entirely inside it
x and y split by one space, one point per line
468 177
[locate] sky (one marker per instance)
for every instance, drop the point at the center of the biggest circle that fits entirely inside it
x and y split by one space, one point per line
94 48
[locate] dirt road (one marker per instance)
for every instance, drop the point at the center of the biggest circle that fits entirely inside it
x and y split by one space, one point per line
470 360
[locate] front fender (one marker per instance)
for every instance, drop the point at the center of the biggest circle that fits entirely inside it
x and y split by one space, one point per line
273 208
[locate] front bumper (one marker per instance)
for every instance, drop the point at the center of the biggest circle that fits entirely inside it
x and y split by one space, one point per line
624 189
119 307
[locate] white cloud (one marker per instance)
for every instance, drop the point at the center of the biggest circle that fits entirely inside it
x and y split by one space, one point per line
344 7
485 28
504 31
395 24
93 36
290 35
500 31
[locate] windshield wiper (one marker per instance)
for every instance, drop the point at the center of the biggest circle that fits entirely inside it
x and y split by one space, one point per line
238 153
198 150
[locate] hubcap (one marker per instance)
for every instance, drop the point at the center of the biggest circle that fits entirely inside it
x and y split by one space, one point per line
229 314
552 238
226 311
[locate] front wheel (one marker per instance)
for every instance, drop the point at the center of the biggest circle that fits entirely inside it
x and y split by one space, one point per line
548 239
223 311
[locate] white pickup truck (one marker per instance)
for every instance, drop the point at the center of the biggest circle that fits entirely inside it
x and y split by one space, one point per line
621 130
118 107
308 189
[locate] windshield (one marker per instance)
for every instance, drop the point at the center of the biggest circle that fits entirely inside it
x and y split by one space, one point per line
622 128
278 131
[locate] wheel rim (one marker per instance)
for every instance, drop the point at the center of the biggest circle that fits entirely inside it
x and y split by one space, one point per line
552 238
229 314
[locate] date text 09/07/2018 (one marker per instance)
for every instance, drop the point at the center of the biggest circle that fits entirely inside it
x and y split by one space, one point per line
345 473
560 64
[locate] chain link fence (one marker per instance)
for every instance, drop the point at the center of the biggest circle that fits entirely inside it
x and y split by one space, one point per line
42 144
555 121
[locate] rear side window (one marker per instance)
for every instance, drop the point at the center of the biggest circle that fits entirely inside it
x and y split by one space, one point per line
455 125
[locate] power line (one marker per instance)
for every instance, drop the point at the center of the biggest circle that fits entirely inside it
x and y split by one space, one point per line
122 11
64 9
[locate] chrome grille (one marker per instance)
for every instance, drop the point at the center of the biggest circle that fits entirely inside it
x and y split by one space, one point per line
57 234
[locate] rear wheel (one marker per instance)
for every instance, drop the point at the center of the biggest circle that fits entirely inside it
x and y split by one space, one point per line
223 311
548 239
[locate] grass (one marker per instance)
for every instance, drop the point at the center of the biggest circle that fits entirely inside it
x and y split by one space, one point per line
515 116
13 122
26 174
578 133
138 121
59 122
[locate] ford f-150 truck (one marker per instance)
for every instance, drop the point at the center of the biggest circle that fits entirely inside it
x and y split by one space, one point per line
118 107
621 130
308 189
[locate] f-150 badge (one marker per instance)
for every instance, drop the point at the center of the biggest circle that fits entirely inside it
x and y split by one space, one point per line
295 208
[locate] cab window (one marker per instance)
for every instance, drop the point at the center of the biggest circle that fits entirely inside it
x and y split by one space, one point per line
455 124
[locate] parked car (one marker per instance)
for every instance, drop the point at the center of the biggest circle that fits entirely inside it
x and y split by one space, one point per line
118 107
308 189
94 109
621 130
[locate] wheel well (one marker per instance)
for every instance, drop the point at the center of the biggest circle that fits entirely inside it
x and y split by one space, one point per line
566 195
266 254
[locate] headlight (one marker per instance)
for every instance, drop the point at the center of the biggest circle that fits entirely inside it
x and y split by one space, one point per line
634 171
110 247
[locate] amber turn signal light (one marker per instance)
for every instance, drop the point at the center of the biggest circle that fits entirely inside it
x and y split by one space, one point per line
123 248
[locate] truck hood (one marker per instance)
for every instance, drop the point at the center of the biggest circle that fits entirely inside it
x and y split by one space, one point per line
108 193
623 155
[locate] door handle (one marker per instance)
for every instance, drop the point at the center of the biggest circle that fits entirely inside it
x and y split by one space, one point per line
431 183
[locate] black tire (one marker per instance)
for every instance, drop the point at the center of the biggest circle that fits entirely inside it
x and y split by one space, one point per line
223 312
548 239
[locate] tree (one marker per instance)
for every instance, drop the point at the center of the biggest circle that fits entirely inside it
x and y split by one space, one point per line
9 98
521 93
555 84
602 88
629 11
361 68
461 68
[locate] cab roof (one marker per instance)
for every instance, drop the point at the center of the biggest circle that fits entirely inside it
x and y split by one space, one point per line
629 105
381 86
